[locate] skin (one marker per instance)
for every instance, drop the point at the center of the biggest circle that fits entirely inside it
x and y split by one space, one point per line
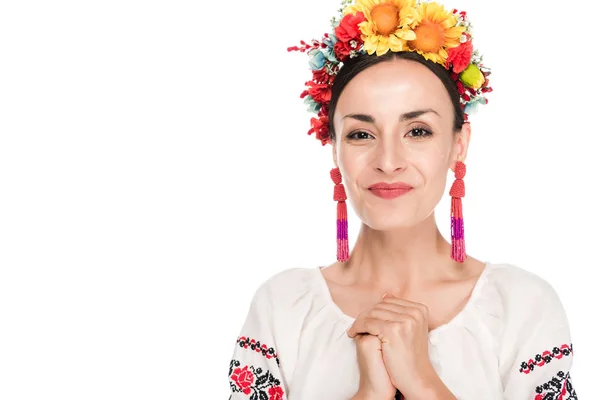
399 251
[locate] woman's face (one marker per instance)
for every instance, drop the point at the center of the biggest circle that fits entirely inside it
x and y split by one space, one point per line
393 124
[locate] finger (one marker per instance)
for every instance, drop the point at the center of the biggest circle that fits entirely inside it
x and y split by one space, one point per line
414 312
372 326
383 329
352 331
386 314
364 340
417 310
399 308
391 316
400 300
399 312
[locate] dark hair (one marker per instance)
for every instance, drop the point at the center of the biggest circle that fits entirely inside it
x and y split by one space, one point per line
355 65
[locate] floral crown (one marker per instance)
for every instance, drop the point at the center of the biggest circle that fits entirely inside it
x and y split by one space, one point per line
379 26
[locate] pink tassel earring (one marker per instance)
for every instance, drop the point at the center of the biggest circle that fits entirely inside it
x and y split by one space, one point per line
457 225
339 195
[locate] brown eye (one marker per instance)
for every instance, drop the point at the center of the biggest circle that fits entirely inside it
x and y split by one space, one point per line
359 135
419 132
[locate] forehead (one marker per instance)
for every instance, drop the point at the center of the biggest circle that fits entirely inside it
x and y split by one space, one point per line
392 88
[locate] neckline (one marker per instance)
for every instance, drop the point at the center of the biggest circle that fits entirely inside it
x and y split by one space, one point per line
475 292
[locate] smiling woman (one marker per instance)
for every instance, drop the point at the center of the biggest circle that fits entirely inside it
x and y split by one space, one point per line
405 314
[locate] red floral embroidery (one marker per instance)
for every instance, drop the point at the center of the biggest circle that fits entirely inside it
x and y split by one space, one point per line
254 381
276 393
546 357
559 387
243 378
268 352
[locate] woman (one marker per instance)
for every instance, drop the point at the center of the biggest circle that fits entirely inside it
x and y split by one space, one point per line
406 314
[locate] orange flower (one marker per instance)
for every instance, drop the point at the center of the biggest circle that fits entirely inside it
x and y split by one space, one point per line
436 32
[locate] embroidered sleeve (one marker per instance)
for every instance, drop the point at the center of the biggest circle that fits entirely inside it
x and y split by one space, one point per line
542 360
254 372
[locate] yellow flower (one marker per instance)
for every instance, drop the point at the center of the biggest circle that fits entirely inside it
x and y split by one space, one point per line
388 24
436 31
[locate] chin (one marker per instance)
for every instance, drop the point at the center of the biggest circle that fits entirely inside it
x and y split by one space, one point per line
385 222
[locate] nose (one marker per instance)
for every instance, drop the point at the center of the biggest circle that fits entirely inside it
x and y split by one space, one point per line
391 155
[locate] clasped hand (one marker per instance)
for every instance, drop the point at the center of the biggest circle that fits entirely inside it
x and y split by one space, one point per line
402 328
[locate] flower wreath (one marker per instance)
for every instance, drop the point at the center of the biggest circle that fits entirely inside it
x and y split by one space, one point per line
379 26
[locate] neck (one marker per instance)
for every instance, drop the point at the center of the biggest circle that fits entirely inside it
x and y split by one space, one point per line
408 257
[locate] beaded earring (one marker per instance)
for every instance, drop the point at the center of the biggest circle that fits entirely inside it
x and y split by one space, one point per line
339 195
457 225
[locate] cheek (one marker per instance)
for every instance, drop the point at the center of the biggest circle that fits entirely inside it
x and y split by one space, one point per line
431 165
352 161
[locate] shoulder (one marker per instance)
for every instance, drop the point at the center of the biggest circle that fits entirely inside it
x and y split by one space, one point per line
287 287
515 281
519 284
287 302
526 297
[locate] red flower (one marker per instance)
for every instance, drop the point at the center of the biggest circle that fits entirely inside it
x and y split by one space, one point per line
348 29
342 49
320 126
460 56
320 92
322 76
276 393
243 378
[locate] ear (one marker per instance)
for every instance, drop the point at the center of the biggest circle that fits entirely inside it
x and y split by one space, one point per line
461 144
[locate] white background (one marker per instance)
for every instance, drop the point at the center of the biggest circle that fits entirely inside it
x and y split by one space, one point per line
155 169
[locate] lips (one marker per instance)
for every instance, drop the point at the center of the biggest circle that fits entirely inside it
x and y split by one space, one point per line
390 190
390 186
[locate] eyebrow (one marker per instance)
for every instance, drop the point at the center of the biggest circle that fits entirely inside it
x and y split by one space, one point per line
417 113
404 117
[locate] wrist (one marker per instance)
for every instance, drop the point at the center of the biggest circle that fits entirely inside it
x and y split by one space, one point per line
431 390
429 387
363 395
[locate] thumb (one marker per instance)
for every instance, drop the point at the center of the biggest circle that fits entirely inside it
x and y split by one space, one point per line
351 332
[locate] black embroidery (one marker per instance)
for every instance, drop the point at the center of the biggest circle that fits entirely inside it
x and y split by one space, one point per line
546 357
559 387
268 352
